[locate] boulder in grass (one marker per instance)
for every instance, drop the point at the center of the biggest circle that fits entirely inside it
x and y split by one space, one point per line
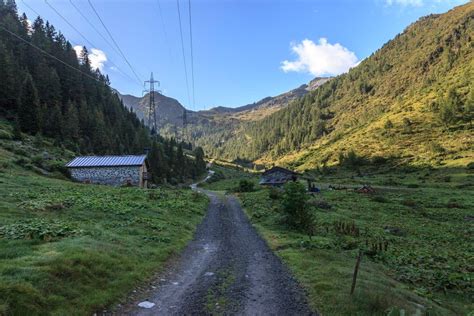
367 189
397 231
146 304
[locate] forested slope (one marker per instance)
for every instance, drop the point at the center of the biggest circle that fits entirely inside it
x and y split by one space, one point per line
411 100
47 91
53 93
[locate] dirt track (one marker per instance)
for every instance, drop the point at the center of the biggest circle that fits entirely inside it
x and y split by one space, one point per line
228 269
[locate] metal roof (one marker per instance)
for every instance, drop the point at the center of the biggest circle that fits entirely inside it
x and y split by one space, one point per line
106 161
280 169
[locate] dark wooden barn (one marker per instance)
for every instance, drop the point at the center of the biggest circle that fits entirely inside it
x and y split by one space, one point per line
278 176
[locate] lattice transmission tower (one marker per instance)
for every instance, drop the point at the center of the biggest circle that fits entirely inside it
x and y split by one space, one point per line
151 104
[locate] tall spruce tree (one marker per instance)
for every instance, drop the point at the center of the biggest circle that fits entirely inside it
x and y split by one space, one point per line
8 94
200 163
157 161
29 109
71 123
180 163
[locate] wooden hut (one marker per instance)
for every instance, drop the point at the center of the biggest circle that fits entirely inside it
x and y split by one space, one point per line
277 176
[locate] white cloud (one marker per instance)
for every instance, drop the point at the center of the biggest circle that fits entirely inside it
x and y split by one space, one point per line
30 26
78 49
322 58
405 3
96 56
356 64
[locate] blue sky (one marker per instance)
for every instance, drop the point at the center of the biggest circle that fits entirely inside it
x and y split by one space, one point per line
244 50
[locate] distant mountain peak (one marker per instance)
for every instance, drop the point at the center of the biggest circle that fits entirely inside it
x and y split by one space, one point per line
168 110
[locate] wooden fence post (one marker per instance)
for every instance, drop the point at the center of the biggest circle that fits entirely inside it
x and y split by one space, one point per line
356 270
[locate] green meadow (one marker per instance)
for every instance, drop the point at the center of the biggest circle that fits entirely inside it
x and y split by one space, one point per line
74 249
415 230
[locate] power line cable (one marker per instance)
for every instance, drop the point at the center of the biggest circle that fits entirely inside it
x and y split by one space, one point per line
113 64
68 23
113 40
192 55
182 49
86 39
92 25
163 24
49 55
34 11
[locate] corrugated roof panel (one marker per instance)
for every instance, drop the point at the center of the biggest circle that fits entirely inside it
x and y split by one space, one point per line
106 161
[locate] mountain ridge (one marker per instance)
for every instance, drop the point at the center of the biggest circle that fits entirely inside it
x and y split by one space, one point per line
269 101
411 100
173 110
169 110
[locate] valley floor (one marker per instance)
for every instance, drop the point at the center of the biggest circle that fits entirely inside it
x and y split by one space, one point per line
226 269
68 248
424 217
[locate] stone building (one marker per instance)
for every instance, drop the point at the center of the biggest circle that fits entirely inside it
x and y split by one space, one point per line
277 176
110 170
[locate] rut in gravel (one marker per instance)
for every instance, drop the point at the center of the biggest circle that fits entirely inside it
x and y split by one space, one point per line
227 268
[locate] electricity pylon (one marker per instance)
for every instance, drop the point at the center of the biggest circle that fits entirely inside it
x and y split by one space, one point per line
151 105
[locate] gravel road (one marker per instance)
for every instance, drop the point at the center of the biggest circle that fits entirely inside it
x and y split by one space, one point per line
226 269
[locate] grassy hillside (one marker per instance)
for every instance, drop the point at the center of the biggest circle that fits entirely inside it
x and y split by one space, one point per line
74 249
401 117
412 100
425 217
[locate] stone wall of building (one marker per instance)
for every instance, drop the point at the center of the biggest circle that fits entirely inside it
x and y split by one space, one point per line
278 175
115 176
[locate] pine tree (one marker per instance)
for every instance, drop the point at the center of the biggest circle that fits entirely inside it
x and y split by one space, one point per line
157 162
17 131
100 141
49 87
200 163
84 58
153 161
170 154
11 6
448 109
180 163
55 123
8 95
28 111
71 126
163 167
24 23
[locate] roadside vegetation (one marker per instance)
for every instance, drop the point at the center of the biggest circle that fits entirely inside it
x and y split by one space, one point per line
228 178
68 248
415 231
